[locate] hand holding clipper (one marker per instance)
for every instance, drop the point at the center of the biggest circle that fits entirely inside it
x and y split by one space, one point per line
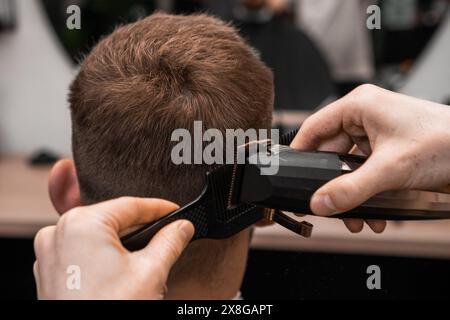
406 140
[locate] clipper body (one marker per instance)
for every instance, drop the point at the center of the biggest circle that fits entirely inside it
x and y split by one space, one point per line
238 195
300 174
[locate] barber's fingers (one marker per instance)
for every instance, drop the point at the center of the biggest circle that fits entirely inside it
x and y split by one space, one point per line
351 190
377 226
36 270
356 225
44 241
341 143
126 212
319 127
36 276
167 246
44 248
350 114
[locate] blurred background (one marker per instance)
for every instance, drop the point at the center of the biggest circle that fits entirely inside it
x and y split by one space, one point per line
319 50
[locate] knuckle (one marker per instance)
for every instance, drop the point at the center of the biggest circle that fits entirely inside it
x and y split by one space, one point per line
307 130
43 236
365 94
129 203
365 89
35 267
71 215
72 221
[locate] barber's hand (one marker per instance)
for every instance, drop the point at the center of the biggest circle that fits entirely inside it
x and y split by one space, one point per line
407 141
87 238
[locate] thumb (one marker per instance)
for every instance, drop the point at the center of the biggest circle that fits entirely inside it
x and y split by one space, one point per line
351 190
167 245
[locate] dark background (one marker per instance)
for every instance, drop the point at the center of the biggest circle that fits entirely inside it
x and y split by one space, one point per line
280 275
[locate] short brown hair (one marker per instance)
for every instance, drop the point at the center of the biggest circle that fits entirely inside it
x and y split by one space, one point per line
148 78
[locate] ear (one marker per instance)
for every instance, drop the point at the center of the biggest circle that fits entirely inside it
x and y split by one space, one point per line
63 186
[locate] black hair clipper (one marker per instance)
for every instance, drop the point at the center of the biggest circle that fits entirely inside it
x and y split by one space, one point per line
237 196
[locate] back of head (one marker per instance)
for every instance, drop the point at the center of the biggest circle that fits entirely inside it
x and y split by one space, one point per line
147 79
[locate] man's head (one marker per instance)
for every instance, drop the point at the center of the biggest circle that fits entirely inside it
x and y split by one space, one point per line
136 87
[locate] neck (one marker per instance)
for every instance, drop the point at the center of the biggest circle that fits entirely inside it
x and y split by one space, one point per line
210 269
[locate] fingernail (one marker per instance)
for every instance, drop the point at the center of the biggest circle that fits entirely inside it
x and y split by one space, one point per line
322 205
187 228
